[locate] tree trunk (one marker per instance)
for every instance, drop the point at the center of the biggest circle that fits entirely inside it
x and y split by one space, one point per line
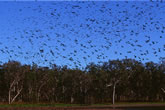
11 85
18 93
11 100
72 99
9 96
38 96
113 97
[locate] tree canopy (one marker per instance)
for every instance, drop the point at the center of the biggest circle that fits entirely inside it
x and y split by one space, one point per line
114 80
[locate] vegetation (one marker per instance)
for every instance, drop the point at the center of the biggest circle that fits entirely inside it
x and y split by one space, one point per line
115 80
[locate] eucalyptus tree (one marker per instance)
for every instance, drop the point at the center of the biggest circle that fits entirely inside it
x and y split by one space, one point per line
124 90
116 74
162 70
122 80
42 78
28 83
151 80
14 76
3 85
136 80
94 86
51 88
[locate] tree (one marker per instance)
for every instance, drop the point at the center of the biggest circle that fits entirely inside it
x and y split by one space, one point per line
114 80
93 75
14 76
117 73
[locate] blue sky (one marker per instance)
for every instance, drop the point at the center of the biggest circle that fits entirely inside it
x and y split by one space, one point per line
76 33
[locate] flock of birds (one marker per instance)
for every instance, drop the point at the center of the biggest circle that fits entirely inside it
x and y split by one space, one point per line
76 33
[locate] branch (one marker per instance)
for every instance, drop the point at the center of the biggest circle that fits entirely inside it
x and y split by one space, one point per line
44 81
109 85
16 95
163 90
42 86
12 84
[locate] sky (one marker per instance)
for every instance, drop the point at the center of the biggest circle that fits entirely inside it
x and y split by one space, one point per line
75 33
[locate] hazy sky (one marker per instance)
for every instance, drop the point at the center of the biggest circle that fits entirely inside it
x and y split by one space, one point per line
76 33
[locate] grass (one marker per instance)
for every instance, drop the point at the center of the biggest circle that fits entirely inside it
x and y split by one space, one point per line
128 103
72 105
38 105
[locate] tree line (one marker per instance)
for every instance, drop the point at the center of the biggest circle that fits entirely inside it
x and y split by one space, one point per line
113 80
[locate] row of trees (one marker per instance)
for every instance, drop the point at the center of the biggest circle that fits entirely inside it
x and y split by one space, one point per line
120 80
